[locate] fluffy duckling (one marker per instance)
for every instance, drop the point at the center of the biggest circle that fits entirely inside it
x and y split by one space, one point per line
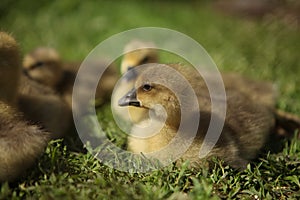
247 127
261 91
135 58
257 89
42 105
45 66
138 55
20 142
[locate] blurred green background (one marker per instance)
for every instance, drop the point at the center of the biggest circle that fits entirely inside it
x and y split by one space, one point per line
263 47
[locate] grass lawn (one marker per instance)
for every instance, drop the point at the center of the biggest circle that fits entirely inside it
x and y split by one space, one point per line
263 50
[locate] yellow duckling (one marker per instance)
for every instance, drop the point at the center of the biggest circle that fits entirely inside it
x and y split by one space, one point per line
247 127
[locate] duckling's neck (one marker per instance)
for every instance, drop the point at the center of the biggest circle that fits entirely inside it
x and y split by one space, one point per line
173 121
171 118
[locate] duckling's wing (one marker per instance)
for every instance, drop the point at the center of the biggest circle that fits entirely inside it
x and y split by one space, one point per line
251 123
259 91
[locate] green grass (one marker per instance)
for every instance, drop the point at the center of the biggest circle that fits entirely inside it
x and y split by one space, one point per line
263 50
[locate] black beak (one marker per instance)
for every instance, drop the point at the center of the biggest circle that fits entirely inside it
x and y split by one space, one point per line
129 99
131 74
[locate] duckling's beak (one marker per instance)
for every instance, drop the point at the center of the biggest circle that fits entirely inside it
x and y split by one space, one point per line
131 74
129 99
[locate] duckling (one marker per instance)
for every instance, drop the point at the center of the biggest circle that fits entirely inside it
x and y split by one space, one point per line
138 55
247 126
45 66
150 55
43 106
20 142
262 91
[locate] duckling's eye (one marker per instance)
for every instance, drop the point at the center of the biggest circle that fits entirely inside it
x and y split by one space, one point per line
147 87
37 65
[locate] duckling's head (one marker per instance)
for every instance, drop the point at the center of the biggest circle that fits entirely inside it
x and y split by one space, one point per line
9 67
162 89
139 53
44 66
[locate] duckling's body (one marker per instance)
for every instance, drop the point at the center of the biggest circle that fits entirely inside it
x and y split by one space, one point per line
20 142
40 103
261 91
247 127
43 106
136 54
45 66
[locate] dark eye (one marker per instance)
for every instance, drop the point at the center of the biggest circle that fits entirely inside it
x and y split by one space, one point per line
38 64
147 87
145 60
